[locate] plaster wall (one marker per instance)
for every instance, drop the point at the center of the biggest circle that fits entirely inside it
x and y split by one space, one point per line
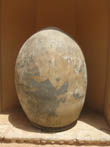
58 13
92 36
17 24
86 21
107 90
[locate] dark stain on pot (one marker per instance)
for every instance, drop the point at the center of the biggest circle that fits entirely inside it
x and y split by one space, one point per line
83 71
45 95
57 79
63 89
77 95
34 71
82 67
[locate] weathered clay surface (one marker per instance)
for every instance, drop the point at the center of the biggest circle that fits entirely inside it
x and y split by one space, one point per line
51 78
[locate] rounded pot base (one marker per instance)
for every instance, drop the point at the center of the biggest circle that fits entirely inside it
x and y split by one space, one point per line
54 129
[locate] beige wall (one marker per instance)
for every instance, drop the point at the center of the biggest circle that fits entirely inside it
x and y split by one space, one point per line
107 91
85 20
0 64
91 32
19 20
18 23
59 13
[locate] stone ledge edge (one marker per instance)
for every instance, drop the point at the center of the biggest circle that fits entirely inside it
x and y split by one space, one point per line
59 142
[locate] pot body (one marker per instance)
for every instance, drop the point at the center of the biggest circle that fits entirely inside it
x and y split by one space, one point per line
51 79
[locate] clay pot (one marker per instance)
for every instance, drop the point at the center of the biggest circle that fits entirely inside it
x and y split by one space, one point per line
51 79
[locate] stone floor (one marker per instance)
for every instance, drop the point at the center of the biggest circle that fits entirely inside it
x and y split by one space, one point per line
90 129
33 145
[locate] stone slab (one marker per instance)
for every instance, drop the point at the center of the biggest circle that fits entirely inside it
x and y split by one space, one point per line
90 129
34 145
